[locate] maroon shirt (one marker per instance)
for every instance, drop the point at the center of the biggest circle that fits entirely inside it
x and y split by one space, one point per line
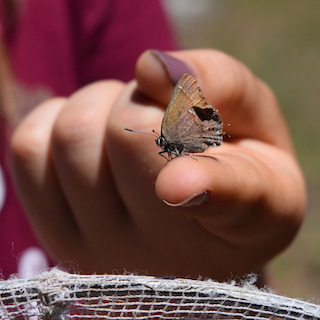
56 47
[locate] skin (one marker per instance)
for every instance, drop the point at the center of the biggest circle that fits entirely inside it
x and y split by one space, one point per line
93 191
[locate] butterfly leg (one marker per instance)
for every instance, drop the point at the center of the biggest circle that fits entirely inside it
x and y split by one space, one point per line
161 154
189 154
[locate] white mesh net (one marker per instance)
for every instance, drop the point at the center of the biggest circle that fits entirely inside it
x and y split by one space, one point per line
59 295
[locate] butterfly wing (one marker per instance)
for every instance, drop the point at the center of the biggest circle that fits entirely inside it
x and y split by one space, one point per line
199 129
189 119
186 94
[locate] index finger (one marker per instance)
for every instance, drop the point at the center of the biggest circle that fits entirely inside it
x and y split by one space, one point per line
247 106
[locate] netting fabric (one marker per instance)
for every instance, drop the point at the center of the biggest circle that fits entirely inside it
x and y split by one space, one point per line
59 295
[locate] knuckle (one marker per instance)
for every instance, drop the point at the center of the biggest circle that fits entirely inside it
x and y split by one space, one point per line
74 126
28 142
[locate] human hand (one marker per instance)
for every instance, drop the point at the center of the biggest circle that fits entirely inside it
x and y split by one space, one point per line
93 191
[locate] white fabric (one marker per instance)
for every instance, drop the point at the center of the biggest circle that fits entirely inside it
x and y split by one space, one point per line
59 295
32 262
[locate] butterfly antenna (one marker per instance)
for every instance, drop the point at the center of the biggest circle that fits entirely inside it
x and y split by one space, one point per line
150 134
155 132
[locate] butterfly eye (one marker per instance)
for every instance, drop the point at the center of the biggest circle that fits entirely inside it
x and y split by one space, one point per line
160 141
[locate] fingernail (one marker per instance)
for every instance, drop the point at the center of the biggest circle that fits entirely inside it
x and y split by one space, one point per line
195 200
176 68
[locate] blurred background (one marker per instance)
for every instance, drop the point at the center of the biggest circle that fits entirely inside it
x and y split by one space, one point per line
280 41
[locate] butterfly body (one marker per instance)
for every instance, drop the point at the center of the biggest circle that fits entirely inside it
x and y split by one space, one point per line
190 124
172 148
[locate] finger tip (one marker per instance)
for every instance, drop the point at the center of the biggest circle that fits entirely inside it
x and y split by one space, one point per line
182 181
152 78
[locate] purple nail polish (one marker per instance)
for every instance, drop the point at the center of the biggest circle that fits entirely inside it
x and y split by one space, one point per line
195 200
175 67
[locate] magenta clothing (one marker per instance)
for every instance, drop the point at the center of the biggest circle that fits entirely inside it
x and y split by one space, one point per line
56 47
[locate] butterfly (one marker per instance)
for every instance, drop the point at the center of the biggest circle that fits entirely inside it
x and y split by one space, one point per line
190 124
